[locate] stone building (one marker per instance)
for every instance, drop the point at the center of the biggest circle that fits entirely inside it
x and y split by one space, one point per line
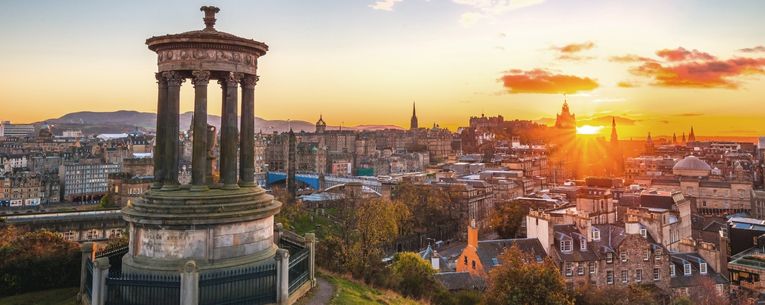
479 257
474 199
85 180
20 189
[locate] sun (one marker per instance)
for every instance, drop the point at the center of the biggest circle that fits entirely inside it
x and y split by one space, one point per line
588 129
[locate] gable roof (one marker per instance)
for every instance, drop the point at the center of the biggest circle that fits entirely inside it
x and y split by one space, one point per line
489 251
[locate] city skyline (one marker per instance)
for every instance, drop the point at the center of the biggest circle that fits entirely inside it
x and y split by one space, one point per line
693 64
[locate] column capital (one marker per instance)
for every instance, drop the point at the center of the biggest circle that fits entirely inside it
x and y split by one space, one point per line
160 79
249 81
173 78
200 77
231 79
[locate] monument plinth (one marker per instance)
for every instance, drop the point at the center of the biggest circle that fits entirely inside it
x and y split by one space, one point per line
218 225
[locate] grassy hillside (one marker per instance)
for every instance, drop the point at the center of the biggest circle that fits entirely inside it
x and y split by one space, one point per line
351 292
63 296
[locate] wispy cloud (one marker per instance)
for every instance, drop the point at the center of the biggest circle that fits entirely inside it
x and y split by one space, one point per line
626 84
684 68
543 81
482 9
753 49
573 51
384 5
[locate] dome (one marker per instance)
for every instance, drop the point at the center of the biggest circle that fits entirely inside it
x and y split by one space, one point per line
691 166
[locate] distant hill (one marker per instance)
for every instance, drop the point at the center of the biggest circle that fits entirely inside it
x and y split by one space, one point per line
127 120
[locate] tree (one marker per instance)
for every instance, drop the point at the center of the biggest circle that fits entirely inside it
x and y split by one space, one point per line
507 218
519 279
376 227
705 293
413 276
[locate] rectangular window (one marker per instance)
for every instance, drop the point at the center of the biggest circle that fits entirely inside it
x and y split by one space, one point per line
638 275
656 274
591 267
609 257
565 246
623 256
580 269
687 268
583 244
595 234
625 276
609 277
647 255
703 268
567 267
672 270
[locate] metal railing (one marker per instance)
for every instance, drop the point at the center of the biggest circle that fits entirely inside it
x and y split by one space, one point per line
143 289
298 269
251 285
89 278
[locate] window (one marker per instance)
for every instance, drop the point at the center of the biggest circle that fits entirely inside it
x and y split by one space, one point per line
591 267
473 265
623 256
656 274
566 245
672 270
609 257
580 269
567 267
657 254
625 276
583 244
638 275
595 234
465 259
687 268
644 233
647 255
609 277
703 268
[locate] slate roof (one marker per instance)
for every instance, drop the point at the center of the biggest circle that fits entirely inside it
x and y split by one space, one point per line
489 250
611 236
459 280
682 280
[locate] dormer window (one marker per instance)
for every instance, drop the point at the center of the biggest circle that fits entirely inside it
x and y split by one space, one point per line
644 233
595 234
703 268
672 270
583 244
609 257
687 268
566 245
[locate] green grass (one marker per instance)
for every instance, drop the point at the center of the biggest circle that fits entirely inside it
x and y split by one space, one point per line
61 296
349 292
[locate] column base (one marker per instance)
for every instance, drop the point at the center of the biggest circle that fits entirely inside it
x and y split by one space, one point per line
230 187
199 188
170 187
156 185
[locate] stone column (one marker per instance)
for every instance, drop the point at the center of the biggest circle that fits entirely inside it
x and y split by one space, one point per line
87 252
159 140
190 284
229 130
247 137
174 80
282 258
199 149
310 242
100 271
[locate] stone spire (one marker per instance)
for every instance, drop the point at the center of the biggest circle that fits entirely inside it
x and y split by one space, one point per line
413 124
692 136
614 136
674 138
649 143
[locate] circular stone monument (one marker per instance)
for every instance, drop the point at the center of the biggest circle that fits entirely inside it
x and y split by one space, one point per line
218 224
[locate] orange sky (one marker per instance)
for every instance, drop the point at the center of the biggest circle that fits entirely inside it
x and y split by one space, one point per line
658 66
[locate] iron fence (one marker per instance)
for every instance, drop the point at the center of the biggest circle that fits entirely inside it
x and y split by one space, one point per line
89 278
298 269
143 289
251 285
114 255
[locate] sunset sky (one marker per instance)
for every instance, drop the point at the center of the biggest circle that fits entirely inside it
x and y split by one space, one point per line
659 66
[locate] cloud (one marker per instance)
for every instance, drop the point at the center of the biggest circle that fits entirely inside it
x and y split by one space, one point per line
575 47
682 68
606 120
626 84
384 5
482 9
753 50
543 81
681 54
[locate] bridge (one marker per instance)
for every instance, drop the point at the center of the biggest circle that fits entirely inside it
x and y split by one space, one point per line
75 226
313 181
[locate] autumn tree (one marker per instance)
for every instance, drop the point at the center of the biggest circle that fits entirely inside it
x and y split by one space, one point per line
413 276
519 279
705 292
429 206
615 295
375 228
507 218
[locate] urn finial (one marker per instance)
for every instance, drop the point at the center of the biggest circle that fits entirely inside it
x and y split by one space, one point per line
209 17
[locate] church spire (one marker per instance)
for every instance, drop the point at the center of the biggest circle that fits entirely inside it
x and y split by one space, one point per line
614 136
692 136
413 124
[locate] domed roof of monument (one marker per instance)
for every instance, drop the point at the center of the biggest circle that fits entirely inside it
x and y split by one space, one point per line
692 163
208 35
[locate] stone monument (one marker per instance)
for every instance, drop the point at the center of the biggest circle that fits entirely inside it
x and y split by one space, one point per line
217 225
